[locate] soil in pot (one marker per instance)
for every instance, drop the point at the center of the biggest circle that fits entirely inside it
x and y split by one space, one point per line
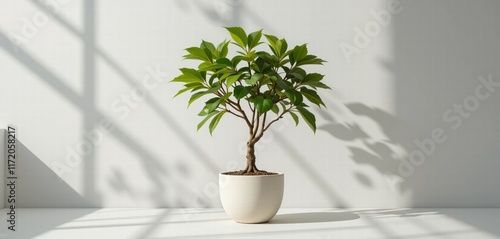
243 173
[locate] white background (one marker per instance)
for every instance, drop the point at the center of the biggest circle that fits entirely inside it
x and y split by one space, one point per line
75 67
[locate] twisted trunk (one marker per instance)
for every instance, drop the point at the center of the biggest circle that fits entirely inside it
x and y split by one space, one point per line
255 136
251 168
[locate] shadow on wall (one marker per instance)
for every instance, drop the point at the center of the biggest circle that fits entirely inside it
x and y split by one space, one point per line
441 48
39 186
157 173
439 54
383 155
226 13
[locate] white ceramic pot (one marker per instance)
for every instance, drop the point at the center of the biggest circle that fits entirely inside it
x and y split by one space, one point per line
251 199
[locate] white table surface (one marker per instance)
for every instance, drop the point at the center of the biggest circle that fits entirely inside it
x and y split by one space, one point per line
289 223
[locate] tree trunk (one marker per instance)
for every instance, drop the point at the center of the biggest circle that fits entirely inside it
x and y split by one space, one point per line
251 168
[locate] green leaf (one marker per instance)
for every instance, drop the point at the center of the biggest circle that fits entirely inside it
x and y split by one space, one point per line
308 117
182 91
225 97
312 96
226 75
196 96
314 80
215 88
310 60
223 48
260 64
204 65
284 46
283 85
210 67
231 79
211 105
251 55
263 104
192 72
187 79
238 35
254 78
274 44
257 101
215 121
206 119
283 106
188 87
247 57
189 76
313 77
275 109
212 78
224 61
295 118
208 48
267 105
197 53
271 38
299 52
254 38
317 84
294 96
207 45
235 61
297 75
240 91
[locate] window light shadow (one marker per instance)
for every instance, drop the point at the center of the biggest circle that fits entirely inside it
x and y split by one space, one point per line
313 217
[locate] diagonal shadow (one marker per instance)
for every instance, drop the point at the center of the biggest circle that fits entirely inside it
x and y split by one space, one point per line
313 217
151 163
41 185
34 180
379 154
34 222
157 108
228 12
327 190
89 108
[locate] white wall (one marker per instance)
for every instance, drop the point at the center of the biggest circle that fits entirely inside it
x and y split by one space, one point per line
77 67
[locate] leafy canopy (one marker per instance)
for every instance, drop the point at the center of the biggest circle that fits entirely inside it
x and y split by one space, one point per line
253 82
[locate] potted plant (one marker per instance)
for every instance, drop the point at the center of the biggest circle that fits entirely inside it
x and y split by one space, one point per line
259 87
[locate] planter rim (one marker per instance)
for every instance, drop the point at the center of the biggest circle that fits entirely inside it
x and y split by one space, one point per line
253 176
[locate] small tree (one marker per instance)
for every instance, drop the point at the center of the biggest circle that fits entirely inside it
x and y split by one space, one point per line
252 83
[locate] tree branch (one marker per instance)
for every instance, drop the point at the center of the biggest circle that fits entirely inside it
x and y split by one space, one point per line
257 122
262 129
278 118
253 118
238 108
237 115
